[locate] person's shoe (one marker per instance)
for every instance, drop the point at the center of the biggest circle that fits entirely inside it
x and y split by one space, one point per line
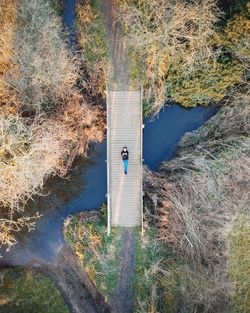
125 173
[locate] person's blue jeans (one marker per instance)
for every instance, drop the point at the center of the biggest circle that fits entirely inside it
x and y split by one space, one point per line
125 166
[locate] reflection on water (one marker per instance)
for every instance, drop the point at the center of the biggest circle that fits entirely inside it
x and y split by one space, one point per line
84 189
85 186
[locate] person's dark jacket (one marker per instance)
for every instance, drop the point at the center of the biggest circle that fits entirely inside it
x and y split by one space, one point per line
124 154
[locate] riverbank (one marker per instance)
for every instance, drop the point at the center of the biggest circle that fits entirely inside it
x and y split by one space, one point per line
50 287
24 290
199 202
47 118
174 257
194 250
119 264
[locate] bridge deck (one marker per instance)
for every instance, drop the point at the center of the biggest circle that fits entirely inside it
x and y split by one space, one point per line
124 128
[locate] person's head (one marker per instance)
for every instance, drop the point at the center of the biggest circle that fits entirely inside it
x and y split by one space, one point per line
124 149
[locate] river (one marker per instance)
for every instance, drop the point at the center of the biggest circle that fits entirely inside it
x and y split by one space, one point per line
85 186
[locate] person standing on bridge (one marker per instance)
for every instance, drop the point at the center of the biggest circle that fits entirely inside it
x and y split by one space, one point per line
124 154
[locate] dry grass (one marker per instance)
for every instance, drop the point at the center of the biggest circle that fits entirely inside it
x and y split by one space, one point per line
206 184
47 71
178 35
99 254
93 42
8 25
195 199
239 263
53 122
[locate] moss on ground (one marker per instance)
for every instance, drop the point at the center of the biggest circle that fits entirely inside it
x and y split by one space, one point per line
27 291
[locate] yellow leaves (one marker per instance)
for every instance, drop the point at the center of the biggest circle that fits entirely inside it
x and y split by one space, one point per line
164 64
84 12
236 34
95 239
203 85
151 59
8 21
79 252
90 268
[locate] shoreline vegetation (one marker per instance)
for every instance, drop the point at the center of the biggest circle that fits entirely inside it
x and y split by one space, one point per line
50 287
50 96
46 116
194 254
27 291
181 53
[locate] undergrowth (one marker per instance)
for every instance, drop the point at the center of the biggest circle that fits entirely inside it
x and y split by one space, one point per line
26 291
93 41
99 253
181 54
194 201
46 117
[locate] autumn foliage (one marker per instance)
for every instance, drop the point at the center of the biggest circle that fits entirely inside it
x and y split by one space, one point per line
8 25
45 119
177 52
199 204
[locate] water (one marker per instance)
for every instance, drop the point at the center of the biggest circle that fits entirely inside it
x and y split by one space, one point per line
162 134
69 13
68 18
86 186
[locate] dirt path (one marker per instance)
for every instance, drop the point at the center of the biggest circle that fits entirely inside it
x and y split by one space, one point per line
117 46
72 280
122 301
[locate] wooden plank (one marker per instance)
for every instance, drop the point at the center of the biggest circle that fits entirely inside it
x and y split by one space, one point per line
125 129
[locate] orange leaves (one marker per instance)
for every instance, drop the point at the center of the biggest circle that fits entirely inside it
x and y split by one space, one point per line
8 24
85 13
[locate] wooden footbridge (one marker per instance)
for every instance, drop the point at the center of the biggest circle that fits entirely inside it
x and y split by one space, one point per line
124 128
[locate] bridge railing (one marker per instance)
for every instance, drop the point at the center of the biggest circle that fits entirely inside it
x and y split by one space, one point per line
108 116
141 133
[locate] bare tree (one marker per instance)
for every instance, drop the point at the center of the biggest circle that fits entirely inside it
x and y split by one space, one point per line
52 122
163 33
47 70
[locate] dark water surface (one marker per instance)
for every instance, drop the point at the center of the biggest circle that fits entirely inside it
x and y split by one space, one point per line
85 188
162 134
69 13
